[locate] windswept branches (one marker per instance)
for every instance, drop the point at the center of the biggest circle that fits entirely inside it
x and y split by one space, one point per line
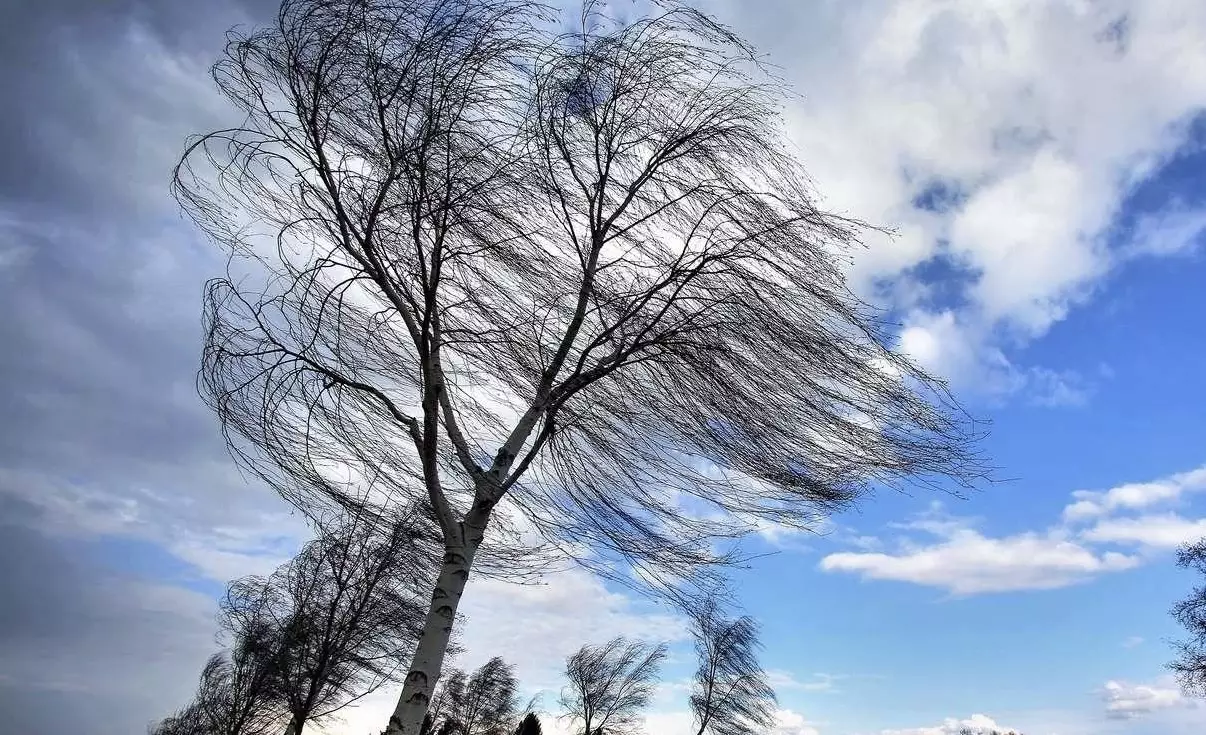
609 686
340 619
1190 613
731 694
482 703
574 275
236 695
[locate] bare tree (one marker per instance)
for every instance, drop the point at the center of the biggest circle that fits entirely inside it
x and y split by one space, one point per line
731 694
345 612
609 686
1190 665
236 694
482 703
575 275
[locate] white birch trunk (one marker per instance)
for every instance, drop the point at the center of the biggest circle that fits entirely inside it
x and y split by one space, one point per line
429 654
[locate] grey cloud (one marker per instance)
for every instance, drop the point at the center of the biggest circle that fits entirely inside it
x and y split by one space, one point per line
85 649
101 432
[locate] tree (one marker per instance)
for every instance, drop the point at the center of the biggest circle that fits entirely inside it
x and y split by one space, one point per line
1190 613
575 276
483 703
731 695
344 614
235 696
529 725
608 686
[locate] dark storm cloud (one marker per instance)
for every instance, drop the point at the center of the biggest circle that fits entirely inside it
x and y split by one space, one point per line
101 432
83 649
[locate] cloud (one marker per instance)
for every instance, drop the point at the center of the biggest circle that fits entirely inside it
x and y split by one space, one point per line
946 343
1166 531
1131 642
77 637
1125 701
965 561
1001 138
979 724
1134 496
968 563
787 722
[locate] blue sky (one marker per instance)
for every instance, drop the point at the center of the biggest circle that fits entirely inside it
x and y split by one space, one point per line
1044 167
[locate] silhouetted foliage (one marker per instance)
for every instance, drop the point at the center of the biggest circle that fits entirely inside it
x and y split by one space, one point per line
235 695
1190 665
731 695
482 703
576 273
608 686
346 613
529 725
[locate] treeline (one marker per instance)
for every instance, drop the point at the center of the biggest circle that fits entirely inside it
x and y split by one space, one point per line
340 620
324 630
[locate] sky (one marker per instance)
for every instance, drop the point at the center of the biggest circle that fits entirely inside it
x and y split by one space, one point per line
1041 165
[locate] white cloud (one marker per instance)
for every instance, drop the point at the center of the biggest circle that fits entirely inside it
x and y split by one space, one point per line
1134 496
1176 229
979 724
787 722
537 626
1166 531
965 561
1040 117
968 563
1128 701
1131 642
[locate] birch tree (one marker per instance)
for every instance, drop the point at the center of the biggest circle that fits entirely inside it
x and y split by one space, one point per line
609 686
1190 665
345 614
557 279
731 694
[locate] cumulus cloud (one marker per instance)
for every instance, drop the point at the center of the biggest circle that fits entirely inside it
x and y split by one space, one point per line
1124 701
1134 496
998 139
967 563
978 724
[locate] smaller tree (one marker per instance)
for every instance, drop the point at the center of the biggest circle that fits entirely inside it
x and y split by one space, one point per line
731 694
1190 665
482 703
529 725
344 614
609 686
238 693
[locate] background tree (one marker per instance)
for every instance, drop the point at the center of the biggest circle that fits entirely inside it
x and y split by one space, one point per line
609 686
482 703
731 695
346 612
1190 665
529 725
575 275
236 694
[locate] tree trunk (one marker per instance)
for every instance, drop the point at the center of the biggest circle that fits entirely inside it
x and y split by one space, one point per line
437 629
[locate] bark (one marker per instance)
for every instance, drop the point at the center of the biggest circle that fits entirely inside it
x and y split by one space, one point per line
428 660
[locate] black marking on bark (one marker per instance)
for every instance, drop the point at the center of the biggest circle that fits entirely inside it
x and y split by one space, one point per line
418 698
453 557
416 676
438 592
444 611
